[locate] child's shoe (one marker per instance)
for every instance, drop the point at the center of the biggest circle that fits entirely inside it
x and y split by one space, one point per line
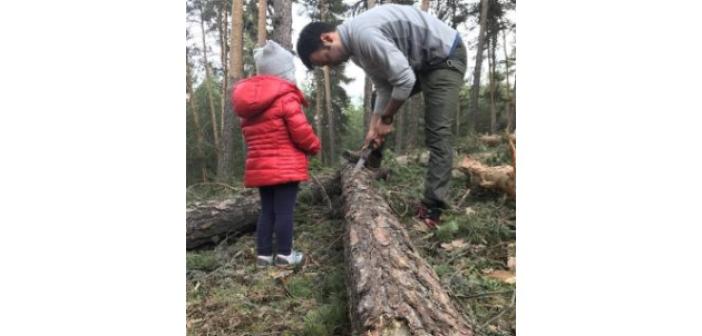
293 259
263 261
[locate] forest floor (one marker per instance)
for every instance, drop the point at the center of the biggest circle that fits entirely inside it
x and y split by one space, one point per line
473 252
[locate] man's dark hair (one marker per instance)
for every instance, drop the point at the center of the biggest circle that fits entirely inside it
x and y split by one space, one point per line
309 40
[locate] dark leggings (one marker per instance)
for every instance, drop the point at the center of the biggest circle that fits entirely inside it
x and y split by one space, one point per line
277 204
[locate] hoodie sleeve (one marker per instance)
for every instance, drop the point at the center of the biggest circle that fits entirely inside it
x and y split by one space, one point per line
396 79
299 129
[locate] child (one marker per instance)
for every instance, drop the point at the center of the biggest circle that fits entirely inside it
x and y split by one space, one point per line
279 138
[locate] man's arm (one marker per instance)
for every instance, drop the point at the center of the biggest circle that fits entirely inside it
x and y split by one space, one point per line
381 125
392 74
390 110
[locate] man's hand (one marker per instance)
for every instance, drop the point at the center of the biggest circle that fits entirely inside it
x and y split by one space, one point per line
377 132
382 129
370 136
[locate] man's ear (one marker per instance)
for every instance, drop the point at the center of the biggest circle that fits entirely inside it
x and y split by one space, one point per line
327 38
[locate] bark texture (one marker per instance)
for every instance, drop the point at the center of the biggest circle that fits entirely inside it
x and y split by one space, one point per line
282 21
392 290
475 91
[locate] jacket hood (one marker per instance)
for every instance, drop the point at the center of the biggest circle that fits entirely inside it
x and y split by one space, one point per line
253 96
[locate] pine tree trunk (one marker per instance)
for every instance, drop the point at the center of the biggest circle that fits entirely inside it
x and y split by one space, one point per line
262 34
509 104
222 28
475 91
225 166
491 66
319 100
208 89
324 8
282 21
330 114
391 289
196 118
367 95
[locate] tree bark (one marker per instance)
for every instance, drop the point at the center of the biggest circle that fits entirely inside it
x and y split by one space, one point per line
475 91
225 165
208 74
262 33
318 111
282 21
510 102
222 28
492 68
500 178
324 13
391 289
209 222
330 114
367 97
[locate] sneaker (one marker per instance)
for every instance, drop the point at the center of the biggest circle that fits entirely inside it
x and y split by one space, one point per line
263 261
293 259
431 217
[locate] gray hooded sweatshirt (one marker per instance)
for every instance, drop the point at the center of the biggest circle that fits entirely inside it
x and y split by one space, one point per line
391 42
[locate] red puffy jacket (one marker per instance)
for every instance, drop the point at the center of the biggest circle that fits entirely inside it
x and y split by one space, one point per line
276 130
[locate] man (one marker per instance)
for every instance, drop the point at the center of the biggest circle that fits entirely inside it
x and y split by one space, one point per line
403 50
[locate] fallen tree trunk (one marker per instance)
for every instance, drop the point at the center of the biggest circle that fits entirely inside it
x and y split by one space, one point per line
209 222
497 178
490 139
392 290
496 139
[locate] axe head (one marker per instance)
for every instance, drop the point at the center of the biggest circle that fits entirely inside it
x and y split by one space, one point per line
365 152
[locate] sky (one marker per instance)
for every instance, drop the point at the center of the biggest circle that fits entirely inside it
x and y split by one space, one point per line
354 89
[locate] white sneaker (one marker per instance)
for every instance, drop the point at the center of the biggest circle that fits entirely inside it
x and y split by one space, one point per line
294 258
263 261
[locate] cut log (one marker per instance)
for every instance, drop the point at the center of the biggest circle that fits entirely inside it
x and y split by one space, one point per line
209 222
496 139
500 178
491 139
391 289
